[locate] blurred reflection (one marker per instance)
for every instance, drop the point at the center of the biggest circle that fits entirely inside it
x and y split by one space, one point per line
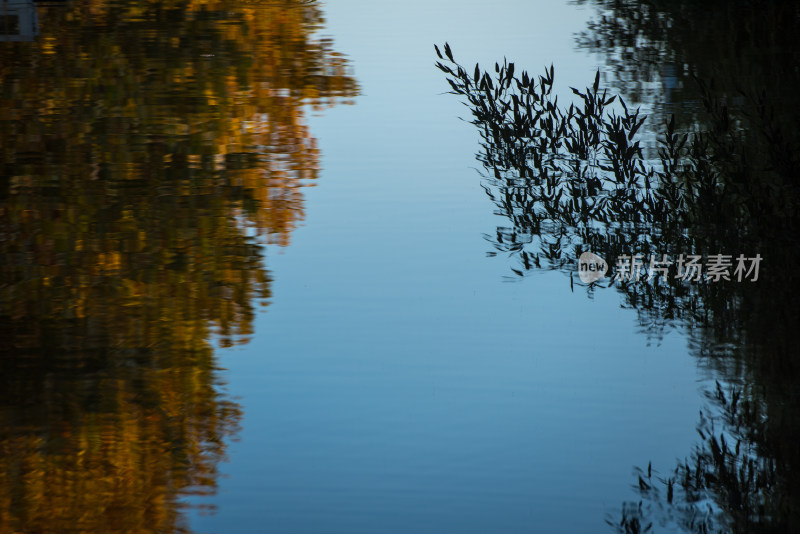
568 180
741 44
18 20
741 476
147 151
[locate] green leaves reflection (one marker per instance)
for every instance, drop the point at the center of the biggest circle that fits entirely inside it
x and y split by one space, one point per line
147 152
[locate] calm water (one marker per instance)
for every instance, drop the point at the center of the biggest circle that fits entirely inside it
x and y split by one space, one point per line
252 281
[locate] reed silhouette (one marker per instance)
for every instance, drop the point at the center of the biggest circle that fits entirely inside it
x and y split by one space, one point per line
574 177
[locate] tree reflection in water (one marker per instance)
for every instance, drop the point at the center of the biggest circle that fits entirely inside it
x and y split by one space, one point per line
148 151
572 179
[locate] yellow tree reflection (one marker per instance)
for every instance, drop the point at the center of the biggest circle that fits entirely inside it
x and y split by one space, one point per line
148 150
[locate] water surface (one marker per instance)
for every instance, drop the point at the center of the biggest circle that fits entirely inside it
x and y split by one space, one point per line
251 282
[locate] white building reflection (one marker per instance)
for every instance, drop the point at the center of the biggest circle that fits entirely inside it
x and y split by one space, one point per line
18 20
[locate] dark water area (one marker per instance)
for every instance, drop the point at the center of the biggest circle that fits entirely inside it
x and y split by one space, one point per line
251 280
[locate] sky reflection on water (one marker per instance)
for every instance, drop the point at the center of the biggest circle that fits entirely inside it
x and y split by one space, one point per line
450 399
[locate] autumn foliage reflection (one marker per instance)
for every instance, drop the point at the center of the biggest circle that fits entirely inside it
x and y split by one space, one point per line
148 151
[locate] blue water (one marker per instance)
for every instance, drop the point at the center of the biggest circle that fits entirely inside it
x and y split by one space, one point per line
400 380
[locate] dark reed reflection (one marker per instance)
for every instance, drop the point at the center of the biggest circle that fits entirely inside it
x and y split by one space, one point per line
572 178
748 52
147 153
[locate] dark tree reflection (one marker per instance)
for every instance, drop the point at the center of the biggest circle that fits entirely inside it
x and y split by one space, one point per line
575 178
652 48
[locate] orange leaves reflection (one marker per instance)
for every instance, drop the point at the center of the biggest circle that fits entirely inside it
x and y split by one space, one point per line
148 150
